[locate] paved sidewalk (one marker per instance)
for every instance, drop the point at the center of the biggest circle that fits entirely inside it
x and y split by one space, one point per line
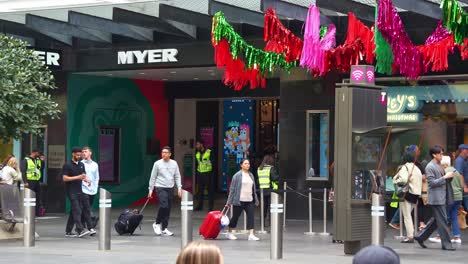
144 247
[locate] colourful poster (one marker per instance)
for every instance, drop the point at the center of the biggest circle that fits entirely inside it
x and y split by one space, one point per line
207 135
238 135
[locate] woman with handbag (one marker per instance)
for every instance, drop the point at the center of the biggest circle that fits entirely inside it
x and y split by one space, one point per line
242 197
409 184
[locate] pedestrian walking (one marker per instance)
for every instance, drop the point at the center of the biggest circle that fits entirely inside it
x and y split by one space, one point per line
74 174
92 172
242 197
409 174
32 176
439 195
163 176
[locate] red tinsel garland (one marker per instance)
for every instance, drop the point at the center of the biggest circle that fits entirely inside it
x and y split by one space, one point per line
357 30
235 73
464 49
280 39
437 54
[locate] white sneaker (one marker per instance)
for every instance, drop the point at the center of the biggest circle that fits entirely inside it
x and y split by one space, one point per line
92 232
456 241
166 232
252 237
230 236
157 229
435 239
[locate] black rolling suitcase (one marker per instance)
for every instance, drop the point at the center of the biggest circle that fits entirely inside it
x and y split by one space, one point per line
129 220
427 231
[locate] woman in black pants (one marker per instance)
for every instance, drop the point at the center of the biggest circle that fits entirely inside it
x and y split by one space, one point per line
242 197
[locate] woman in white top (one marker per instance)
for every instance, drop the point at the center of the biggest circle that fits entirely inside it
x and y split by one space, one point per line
11 173
409 172
242 197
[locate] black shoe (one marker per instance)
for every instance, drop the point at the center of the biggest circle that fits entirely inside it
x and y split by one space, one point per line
421 243
449 249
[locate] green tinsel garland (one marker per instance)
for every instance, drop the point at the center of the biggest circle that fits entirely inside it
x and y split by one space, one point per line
323 31
455 19
263 60
383 51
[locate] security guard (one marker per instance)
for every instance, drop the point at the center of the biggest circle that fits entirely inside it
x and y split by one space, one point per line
205 178
268 179
32 176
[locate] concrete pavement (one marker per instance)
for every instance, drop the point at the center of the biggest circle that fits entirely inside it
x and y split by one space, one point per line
144 247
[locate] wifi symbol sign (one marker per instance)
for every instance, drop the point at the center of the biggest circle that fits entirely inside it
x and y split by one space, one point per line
357 74
370 76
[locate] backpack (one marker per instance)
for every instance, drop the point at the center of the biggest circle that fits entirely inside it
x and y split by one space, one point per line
128 221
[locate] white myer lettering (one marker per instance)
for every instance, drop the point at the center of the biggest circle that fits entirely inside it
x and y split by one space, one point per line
48 58
147 56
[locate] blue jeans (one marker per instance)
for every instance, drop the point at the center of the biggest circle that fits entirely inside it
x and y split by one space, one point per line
396 217
452 212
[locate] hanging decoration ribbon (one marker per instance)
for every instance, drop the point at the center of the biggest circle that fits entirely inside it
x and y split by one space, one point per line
280 39
383 51
407 57
246 64
359 45
313 51
436 49
455 20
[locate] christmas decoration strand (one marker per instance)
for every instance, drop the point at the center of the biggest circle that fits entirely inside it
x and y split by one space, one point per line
254 58
244 64
280 39
314 48
436 49
407 57
455 19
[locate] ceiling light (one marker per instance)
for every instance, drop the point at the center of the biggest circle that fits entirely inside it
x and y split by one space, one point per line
213 74
165 79
173 72
141 73
195 78
109 74
210 70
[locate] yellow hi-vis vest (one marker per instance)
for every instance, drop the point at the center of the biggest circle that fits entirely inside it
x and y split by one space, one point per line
39 167
204 163
264 178
32 173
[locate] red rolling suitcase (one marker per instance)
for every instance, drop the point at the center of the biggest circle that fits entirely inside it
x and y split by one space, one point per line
211 226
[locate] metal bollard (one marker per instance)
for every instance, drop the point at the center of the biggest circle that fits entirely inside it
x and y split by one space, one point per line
400 237
324 233
186 210
415 213
310 214
378 218
276 242
105 205
262 214
285 187
29 226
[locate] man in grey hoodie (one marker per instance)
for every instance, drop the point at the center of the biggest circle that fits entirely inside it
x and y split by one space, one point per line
163 176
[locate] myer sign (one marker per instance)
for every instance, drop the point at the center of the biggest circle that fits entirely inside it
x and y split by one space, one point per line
53 59
147 56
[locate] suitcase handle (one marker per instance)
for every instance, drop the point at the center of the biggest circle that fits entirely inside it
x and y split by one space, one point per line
225 210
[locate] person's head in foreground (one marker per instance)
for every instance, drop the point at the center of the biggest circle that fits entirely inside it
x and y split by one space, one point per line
376 254
200 252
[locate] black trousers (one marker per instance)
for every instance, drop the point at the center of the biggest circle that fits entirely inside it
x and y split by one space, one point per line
36 187
79 203
205 180
440 215
83 220
249 208
165 203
